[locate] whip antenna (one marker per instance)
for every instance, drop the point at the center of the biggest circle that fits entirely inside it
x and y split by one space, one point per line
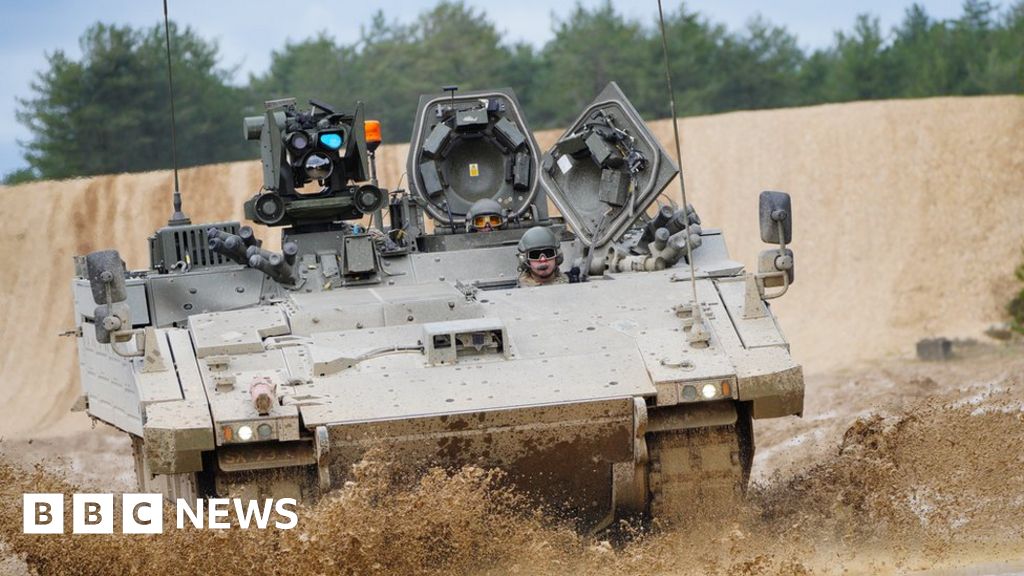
178 218
697 331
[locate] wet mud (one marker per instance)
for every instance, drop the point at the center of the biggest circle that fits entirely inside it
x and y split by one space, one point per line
897 467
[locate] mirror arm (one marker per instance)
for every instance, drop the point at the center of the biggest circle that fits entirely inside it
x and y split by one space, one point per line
782 235
783 273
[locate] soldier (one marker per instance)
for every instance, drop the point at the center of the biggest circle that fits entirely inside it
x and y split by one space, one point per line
539 257
484 215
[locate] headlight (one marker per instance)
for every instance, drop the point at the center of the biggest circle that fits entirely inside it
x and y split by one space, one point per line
709 390
245 433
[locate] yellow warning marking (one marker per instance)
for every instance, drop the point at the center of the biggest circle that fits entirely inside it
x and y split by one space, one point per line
474 170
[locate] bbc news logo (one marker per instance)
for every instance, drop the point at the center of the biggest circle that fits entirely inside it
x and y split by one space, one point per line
144 513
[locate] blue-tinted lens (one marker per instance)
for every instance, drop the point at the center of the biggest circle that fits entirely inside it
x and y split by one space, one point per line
331 140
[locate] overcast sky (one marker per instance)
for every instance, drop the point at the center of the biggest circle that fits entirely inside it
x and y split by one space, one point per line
248 30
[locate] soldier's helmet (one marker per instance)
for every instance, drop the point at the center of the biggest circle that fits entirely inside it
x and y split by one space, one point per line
539 243
484 214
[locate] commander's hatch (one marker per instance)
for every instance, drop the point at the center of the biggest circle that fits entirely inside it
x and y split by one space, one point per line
606 169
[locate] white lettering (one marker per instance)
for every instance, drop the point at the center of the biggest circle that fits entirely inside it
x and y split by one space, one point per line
281 506
252 510
219 508
195 516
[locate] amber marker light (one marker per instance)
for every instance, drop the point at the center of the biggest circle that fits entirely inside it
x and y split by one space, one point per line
372 129
725 387
228 433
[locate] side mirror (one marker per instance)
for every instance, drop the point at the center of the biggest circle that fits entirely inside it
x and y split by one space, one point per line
775 208
106 273
774 267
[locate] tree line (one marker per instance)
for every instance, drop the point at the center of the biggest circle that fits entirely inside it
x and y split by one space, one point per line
108 111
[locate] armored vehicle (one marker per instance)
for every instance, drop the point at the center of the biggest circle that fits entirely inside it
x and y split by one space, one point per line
389 321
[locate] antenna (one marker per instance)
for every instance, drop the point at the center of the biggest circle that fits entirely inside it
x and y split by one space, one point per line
697 332
178 218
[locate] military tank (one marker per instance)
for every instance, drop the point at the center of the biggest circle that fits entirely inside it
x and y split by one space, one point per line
387 321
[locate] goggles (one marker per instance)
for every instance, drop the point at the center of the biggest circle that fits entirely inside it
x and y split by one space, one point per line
484 220
548 253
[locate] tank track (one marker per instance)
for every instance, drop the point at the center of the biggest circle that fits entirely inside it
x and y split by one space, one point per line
698 473
295 482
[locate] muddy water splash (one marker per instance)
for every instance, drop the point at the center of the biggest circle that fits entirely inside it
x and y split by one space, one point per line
937 484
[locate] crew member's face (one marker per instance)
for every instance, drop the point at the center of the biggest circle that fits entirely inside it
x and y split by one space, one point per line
542 262
486 222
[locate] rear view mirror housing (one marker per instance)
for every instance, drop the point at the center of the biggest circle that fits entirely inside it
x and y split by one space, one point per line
774 267
106 273
775 208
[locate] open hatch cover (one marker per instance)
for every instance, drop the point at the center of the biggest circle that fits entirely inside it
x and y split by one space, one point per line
606 169
472 146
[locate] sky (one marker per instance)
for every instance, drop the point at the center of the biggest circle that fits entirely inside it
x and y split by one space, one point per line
247 31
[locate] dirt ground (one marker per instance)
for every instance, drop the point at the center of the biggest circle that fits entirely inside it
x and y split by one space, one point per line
897 467
907 225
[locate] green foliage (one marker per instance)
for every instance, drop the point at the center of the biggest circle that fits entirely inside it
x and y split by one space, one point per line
590 49
861 65
18 176
108 111
763 64
391 64
313 68
982 52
